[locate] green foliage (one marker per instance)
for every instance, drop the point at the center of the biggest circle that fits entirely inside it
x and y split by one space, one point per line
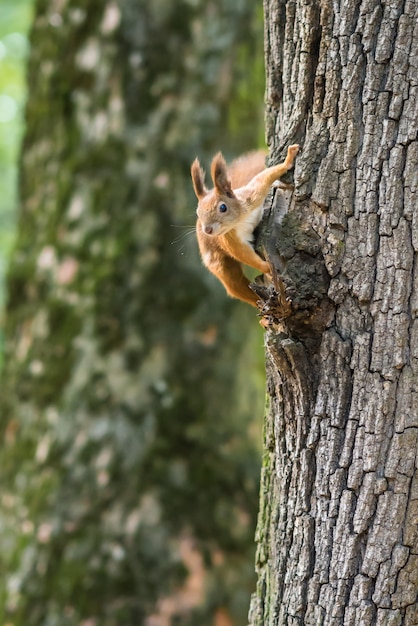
14 23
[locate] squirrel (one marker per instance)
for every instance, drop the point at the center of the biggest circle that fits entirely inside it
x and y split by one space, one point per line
228 214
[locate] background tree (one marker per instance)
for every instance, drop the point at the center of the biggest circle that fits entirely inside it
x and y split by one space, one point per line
129 468
337 531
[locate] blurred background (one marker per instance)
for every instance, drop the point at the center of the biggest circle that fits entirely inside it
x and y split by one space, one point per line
132 388
15 17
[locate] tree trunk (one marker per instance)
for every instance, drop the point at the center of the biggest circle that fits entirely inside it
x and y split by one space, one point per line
128 476
337 531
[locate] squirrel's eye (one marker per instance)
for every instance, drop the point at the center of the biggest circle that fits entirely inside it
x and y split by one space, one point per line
223 208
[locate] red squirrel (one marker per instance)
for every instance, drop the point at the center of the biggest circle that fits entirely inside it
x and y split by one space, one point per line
228 214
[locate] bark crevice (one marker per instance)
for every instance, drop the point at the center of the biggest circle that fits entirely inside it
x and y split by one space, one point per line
353 200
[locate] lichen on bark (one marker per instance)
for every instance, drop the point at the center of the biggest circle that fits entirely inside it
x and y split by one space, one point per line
117 451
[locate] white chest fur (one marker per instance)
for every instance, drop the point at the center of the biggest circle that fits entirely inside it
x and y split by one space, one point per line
248 224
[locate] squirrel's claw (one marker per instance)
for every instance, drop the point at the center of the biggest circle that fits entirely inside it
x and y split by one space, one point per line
274 304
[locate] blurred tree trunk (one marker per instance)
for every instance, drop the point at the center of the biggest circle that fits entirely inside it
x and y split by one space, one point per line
337 530
128 466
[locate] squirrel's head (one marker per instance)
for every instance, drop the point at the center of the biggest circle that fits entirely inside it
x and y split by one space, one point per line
218 209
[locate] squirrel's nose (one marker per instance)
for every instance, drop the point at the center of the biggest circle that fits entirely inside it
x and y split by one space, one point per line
208 230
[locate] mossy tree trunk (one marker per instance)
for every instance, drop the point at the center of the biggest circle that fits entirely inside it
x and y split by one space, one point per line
128 470
337 530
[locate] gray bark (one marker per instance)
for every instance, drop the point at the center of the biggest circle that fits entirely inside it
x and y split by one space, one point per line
337 532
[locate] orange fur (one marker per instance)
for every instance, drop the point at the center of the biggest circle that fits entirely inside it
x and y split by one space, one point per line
229 213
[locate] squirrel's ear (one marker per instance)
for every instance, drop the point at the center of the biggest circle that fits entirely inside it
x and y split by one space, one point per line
220 175
198 179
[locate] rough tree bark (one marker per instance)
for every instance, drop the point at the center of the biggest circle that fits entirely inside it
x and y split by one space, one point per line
337 532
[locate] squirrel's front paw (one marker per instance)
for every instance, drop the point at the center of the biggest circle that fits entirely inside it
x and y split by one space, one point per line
292 151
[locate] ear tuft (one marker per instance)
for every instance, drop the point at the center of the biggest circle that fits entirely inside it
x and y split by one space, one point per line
198 179
220 175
